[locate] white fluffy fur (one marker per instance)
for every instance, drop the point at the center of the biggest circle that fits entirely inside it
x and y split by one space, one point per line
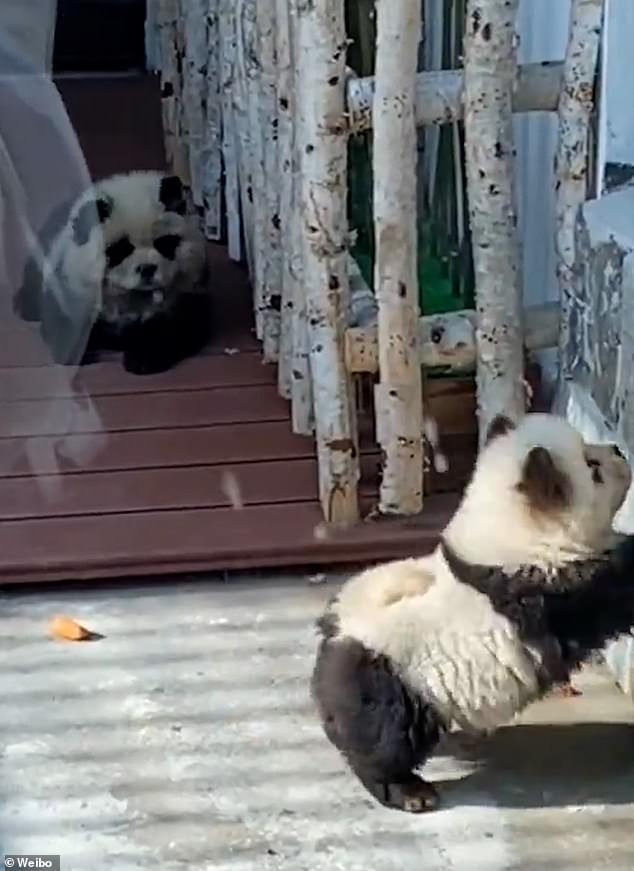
443 636
79 274
494 525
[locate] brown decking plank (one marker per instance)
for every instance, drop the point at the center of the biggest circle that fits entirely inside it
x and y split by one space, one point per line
236 340
166 542
144 411
157 489
103 379
141 449
101 493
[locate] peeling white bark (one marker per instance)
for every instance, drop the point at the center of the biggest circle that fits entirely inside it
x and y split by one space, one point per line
285 134
256 189
571 160
180 157
323 148
167 12
302 410
399 395
272 273
243 138
211 156
489 79
194 93
440 95
226 48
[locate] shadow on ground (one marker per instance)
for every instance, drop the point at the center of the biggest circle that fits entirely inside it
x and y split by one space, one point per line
546 765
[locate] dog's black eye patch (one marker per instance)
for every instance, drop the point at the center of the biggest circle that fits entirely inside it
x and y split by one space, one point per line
167 245
118 251
88 217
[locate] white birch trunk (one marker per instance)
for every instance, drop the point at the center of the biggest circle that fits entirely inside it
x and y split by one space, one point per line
195 88
181 144
489 79
302 408
440 95
285 133
257 185
171 88
571 159
243 138
272 274
323 147
166 13
398 396
227 51
211 156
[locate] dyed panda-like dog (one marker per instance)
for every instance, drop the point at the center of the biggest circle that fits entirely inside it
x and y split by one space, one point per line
527 582
125 269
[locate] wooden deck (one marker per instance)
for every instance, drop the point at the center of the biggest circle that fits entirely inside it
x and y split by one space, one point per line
144 482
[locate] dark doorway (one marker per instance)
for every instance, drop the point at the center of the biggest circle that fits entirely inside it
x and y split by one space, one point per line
95 36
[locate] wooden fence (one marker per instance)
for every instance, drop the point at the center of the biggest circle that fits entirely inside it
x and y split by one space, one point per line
258 105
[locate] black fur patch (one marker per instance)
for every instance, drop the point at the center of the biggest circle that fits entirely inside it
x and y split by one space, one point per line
500 425
172 194
328 624
89 216
168 245
546 487
119 251
382 729
163 341
577 609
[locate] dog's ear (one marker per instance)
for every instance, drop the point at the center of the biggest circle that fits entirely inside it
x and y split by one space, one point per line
547 489
172 195
499 426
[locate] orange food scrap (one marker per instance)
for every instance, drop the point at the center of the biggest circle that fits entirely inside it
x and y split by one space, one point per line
69 630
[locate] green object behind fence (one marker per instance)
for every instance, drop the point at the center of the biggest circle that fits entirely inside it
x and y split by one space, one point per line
437 291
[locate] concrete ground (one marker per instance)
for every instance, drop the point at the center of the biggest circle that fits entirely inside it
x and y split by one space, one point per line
185 739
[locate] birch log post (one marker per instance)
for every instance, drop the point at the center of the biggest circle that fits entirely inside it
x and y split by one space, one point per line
440 94
302 405
211 156
285 139
272 274
398 396
571 159
490 70
226 49
181 164
153 36
195 88
322 132
256 187
244 146
167 13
